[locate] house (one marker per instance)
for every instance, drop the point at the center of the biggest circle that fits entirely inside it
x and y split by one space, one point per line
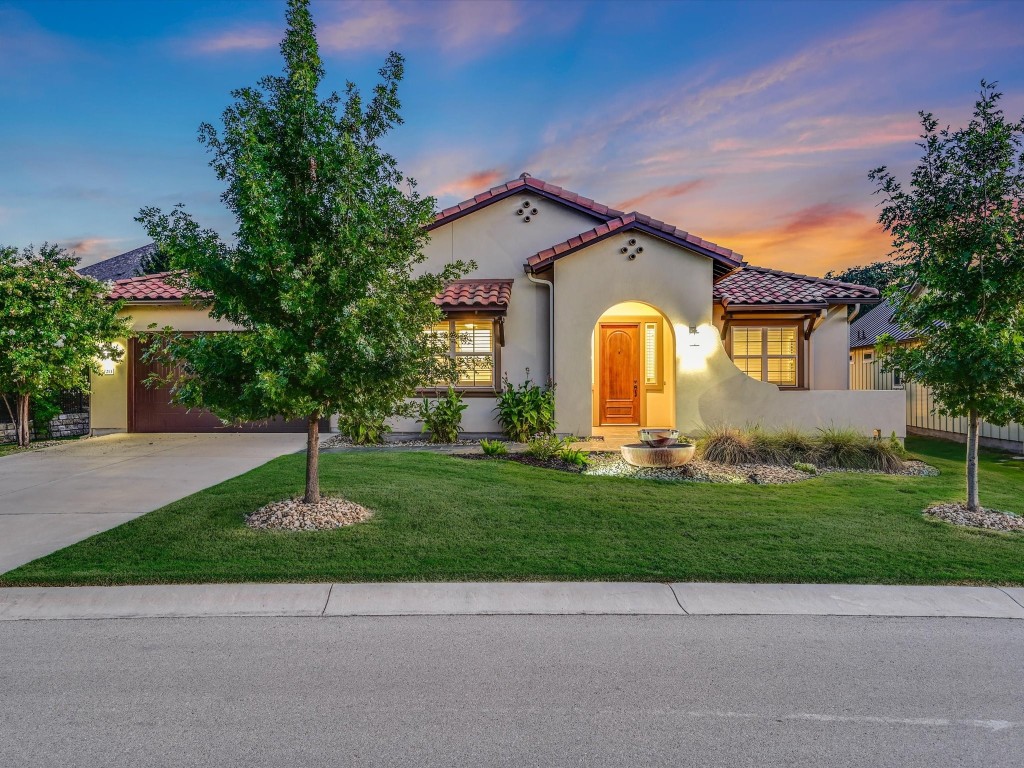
638 322
866 373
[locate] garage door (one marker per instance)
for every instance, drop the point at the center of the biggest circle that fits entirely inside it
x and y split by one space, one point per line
150 408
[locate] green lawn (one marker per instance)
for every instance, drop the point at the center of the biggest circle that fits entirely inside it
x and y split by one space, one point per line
444 518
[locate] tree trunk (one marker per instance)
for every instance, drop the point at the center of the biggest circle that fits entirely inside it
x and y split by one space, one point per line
24 433
972 460
313 460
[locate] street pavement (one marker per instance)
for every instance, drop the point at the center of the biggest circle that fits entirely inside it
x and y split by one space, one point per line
544 691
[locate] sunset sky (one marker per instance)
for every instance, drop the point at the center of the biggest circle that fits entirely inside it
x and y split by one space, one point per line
751 124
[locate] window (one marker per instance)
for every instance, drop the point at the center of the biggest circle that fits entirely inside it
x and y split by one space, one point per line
767 353
470 346
868 357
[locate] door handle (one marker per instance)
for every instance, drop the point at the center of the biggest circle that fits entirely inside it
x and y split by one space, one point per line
635 388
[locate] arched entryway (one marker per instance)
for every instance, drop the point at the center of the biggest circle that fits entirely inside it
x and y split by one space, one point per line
633 370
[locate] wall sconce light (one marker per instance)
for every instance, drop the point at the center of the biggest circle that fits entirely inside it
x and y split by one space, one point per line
107 364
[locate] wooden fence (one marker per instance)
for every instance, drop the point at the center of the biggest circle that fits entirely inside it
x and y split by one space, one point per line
921 413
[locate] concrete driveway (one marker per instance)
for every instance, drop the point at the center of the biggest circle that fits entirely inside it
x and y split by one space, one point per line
57 496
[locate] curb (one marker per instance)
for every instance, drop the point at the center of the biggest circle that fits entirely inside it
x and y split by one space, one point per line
507 598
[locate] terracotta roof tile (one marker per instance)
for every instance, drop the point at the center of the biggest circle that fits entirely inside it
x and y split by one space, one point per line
763 287
491 295
154 287
726 258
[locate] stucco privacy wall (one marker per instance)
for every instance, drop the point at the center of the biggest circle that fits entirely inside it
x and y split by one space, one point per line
829 352
109 401
499 241
709 387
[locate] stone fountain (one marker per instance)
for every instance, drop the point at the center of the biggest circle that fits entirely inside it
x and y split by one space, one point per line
658 448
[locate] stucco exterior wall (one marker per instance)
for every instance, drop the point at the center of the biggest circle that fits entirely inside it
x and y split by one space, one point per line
109 399
709 387
499 241
829 349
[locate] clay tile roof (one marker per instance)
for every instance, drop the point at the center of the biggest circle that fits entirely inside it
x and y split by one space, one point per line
725 258
519 186
491 295
147 288
763 287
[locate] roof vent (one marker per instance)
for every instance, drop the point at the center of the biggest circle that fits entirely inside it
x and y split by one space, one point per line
524 175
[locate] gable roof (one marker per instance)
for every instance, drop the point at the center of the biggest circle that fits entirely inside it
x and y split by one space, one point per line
760 287
490 295
524 183
124 265
724 258
865 330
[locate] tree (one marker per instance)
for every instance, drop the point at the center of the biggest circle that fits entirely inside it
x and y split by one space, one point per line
154 262
958 233
320 277
877 274
55 326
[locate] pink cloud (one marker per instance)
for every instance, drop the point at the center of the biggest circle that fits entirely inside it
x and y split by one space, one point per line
660 194
470 184
454 27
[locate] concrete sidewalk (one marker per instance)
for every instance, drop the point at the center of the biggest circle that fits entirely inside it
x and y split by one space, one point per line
507 598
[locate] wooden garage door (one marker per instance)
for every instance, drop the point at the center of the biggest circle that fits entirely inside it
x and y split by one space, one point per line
150 408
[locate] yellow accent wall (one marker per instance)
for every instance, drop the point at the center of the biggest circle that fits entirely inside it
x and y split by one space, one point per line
108 403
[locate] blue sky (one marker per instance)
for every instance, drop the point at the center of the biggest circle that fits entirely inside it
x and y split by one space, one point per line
752 124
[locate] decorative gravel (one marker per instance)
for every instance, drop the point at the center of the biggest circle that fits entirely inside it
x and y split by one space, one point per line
295 515
612 465
340 441
993 520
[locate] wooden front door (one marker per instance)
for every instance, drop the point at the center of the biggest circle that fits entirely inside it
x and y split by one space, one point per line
619 373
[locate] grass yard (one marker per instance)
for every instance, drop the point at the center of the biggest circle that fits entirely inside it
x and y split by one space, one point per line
448 519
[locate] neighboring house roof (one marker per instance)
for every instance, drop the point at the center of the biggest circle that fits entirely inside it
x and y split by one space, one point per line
489 295
724 258
119 267
865 330
524 183
760 287
147 288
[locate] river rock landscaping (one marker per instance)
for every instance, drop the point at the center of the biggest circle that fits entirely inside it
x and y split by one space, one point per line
296 515
991 519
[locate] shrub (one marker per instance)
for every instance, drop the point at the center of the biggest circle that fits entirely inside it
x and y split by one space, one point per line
805 467
573 456
547 447
45 409
880 454
363 428
798 446
841 447
526 410
493 447
443 419
769 448
898 448
726 445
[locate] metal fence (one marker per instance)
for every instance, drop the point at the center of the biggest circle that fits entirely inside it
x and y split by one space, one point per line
921 404
70 401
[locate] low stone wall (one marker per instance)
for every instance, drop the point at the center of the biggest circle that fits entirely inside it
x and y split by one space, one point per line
65 425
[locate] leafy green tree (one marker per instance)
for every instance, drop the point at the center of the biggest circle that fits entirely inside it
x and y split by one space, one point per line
55 326
877 274
958 233
155 261
321 277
